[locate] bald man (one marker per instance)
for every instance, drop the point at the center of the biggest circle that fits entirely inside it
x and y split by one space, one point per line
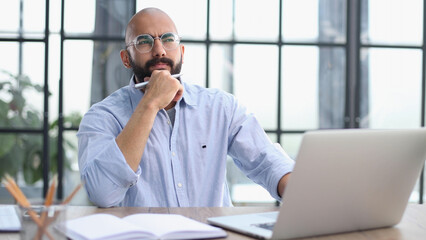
166 145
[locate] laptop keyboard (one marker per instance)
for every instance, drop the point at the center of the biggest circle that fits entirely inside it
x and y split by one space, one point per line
269 226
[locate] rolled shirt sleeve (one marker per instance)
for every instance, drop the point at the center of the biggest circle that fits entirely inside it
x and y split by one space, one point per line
103 168
252 151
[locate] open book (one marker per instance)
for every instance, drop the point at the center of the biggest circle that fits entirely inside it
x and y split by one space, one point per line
138 226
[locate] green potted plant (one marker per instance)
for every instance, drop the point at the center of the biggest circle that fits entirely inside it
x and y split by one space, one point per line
22 152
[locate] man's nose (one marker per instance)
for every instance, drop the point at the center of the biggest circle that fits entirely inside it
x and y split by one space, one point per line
158 49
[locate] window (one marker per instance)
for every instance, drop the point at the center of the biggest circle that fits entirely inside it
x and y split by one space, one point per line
297 64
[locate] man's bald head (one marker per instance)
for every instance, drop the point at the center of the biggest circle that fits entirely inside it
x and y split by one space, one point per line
153 22
144 20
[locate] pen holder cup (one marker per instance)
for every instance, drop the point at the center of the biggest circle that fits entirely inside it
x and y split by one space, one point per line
38 222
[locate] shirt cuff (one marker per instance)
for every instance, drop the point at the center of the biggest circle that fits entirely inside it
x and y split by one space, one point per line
112 162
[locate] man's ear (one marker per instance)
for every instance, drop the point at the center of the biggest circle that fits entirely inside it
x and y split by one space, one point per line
182 51
124 54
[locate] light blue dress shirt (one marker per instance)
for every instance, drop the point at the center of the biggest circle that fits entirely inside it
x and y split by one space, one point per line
183 165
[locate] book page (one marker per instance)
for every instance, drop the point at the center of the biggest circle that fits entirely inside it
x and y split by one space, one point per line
173 226
101 226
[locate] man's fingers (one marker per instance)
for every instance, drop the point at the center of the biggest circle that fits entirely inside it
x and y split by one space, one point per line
179 94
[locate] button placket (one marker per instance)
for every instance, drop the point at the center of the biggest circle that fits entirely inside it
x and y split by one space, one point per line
178 178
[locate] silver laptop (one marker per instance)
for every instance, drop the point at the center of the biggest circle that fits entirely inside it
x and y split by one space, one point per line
343 180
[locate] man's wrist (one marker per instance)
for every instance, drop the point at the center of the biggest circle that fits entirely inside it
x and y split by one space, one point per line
149 106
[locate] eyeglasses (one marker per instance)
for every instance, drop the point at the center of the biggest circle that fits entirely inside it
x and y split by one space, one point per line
145 42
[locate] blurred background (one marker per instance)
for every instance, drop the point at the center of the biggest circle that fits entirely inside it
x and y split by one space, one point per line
298 65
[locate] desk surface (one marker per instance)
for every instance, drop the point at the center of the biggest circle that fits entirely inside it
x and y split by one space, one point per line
412 226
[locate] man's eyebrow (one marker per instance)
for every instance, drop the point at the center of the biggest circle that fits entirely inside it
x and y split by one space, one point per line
158 35
137 35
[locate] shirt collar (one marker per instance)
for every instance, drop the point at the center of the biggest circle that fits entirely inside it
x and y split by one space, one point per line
188 95
132 81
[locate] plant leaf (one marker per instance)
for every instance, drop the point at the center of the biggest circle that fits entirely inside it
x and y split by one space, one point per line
4 110
11 162
33 119
7 142
38 88
18 102
32 167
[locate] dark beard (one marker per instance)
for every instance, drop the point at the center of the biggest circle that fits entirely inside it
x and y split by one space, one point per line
142 72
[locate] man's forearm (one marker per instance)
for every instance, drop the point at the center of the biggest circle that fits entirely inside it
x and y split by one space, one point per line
132 140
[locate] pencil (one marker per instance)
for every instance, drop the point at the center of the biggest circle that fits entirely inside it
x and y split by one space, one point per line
71 196
19 196
47 203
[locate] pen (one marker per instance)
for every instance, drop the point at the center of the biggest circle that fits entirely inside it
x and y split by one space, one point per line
143 84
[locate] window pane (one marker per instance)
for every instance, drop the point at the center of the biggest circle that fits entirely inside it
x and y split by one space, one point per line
77 76
299 21
33 61
79 19
332 87
33 18
33 67
9 18
21 157
30 61
392 22
273 137
55 16
300 88
256 81
221 23
221 67
194 64
108 72
392 85
92 77
21 92
190 16
314 20
291 143
256 22
100 18
9 59
313 87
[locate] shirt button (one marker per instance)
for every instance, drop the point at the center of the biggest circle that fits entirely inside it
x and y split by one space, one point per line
168 122
180 185
173 153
